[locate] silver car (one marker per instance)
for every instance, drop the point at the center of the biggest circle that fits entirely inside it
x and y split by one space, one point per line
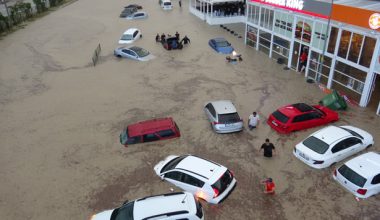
223 116
133 52
137 15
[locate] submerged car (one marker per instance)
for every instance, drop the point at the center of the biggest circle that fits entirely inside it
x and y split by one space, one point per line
166 4
137 15
331 145
178 205
127 12
150 130
221 45
223 116
203 178
130 36
171 43
134 6
133 52
300 116
360 175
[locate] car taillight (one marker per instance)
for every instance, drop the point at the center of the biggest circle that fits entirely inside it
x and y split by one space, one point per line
318 161
216 123
362 191
334 172
216 192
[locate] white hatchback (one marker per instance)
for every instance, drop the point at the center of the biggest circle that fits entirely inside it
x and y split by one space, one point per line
223 116
171 206
166 5
130 36
331 145
360 175
203 178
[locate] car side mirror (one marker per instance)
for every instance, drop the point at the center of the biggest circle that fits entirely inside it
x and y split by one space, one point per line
125 202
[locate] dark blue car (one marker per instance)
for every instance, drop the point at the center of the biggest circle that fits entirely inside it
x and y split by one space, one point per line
221 45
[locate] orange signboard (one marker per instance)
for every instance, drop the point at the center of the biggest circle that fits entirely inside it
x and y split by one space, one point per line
356 16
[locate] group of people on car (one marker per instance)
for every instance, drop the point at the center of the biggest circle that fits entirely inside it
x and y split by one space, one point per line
170 42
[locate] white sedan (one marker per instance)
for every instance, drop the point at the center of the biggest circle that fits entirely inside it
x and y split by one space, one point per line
130 36
331 145
137 15
133 52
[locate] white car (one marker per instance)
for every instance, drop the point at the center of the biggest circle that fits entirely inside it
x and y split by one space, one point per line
166 5
223 116
331 145
179 205
360 175
133 52
130 36
205 179
137 15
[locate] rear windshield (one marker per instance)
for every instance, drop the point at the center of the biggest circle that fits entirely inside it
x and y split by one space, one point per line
352 176
127 37
123 213
228 118
281 117
167 3
173 163
223 182
222 44
316 144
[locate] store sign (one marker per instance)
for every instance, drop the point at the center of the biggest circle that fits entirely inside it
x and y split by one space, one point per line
374 21
318 8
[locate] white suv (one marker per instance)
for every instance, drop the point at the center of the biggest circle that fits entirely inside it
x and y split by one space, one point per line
204 178
360 175
223 116
179 205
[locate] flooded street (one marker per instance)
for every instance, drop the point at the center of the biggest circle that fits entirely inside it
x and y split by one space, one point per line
61 118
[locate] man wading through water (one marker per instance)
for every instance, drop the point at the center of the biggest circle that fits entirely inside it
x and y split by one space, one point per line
268 148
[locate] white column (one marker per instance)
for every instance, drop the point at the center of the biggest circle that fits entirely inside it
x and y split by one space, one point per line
333 60
292 41
258 29
371 74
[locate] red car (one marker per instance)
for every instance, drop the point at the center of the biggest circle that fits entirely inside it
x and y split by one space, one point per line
151 130
300 116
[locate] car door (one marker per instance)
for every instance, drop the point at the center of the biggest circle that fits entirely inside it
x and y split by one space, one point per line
191 184
167 134
126 53
345 148
300 122
174 177
210 112
374 187
150 137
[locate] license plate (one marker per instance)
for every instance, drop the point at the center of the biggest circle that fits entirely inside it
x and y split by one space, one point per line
273 122
229 125
303 156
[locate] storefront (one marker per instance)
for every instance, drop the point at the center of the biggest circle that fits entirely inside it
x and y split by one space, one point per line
331 48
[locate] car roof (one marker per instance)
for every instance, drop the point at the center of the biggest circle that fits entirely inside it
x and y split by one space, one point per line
223 106
366 165
331 134
149 126
219 39
295 109
205 169
154 206
130 31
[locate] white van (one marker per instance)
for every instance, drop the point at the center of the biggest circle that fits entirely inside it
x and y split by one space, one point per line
166 4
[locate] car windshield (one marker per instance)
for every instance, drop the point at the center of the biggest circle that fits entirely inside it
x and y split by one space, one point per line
222 44
316 145
127 37
140 51
352 132
281 117
228 118
172 164
352 176
167 3
223 182
123 213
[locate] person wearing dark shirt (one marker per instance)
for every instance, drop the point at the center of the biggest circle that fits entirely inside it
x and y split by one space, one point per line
185 40
268 147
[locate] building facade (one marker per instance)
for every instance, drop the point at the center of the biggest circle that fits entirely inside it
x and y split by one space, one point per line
342 42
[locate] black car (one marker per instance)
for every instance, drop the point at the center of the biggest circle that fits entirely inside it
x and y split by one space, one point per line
171 43
134 6
127 11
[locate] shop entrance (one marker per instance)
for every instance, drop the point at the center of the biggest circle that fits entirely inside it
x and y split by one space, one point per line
374 102
298 48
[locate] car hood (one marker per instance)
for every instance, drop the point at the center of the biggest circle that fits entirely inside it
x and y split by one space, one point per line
157 168
105 215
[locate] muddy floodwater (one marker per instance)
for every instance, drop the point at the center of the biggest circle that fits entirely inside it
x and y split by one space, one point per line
60 118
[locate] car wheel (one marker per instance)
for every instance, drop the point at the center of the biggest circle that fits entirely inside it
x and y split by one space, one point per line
368 146
118 56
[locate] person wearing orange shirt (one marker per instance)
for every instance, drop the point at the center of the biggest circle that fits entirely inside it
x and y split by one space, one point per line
269 186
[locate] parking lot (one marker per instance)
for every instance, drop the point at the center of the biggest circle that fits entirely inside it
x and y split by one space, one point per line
61 118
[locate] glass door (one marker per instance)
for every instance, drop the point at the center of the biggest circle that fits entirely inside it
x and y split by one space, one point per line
296 52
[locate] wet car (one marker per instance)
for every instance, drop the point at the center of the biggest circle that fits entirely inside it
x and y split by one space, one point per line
130 36
150 130
171 43
137 15
127 12
133 52
134 6
223 116
221 45
300 116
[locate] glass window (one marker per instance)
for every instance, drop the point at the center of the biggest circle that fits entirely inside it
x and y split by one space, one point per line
174 175
376 179
344 43
251 36
352 176
349 77
264 41
280 48
316 144
303 30
319 35
332 40
367 51
150 137
173 163
228 118
192 180
279 116
355 46
166 133
253 14
266 18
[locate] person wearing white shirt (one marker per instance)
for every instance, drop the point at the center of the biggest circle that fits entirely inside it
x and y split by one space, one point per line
253 120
